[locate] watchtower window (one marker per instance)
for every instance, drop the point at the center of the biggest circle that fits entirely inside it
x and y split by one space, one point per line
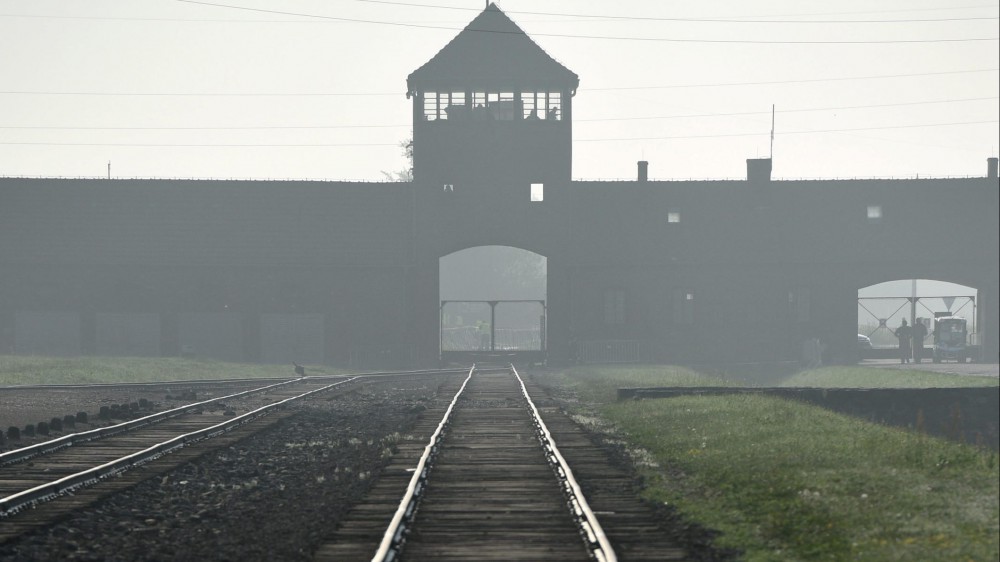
538 192
496 106
444 105
874 213
541 106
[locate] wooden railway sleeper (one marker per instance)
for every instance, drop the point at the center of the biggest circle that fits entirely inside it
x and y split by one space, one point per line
28 498
590 529
395 536
26 453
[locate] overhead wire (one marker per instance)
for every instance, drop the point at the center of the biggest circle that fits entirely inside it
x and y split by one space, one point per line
606 139
624 88
600 89
747 19
601 37
705 20
387 126
801 132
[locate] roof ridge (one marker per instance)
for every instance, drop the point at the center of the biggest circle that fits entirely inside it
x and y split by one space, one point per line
491 51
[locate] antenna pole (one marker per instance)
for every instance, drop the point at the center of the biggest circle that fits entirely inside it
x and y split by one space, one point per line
772 132
109 169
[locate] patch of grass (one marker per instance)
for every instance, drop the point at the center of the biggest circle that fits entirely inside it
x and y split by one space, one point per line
601 383
868 377
788 481
23 370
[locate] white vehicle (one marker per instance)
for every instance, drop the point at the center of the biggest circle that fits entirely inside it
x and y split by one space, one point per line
950 334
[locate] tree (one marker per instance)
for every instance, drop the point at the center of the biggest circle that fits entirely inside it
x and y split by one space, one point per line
405 175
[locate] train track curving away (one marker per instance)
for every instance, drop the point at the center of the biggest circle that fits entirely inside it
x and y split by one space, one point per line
79 468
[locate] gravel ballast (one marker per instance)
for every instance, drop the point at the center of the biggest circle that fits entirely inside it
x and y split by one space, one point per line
273 496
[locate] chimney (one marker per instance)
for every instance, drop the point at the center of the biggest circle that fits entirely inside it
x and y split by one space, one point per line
758 170
644 170
991 168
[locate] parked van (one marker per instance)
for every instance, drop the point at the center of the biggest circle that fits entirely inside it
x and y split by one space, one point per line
950 335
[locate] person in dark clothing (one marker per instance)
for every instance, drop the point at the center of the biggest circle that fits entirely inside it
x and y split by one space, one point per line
919 333
904 333
299 369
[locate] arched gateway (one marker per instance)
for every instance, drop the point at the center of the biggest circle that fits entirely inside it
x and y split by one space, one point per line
339 272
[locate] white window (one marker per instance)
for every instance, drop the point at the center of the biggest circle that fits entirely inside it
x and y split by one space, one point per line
673 216
444 105
449 187
683 306
538 192
874 213
498 106
541 106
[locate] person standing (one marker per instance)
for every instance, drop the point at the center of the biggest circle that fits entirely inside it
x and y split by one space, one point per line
919 334
903 333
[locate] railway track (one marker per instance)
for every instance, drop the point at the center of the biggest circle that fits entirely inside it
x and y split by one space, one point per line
67 468
487 481
492 484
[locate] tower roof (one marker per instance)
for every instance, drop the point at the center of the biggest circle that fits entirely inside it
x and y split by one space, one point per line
492 53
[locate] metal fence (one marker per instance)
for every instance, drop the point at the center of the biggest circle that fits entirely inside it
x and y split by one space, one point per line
611 351
468 338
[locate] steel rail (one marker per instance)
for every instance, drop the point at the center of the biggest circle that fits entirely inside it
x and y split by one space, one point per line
392 540
31 451
591 529
15 502
217 381
24 453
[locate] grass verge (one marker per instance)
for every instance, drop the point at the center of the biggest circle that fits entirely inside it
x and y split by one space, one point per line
870 377
26 370
787 481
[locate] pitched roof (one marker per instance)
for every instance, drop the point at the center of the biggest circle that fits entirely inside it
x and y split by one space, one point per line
492 53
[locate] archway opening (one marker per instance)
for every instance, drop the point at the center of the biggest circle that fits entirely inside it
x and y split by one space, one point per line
492 301
923 305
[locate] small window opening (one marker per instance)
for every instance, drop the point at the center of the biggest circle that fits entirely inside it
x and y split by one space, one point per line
537 192
449 187
673 216
541 106
874 213
444 105
497 106
683 306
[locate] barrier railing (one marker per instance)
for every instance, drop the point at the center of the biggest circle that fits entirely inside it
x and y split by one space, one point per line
610 351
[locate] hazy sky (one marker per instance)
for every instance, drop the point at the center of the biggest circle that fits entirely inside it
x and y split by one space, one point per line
316 89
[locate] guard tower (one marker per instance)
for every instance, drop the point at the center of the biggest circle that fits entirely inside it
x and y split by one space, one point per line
491 108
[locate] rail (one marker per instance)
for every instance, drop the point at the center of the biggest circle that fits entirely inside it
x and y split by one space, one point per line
10 505
31 451
392 540
597 541
25 453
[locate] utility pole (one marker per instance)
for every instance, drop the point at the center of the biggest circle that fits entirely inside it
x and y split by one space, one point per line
771 152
